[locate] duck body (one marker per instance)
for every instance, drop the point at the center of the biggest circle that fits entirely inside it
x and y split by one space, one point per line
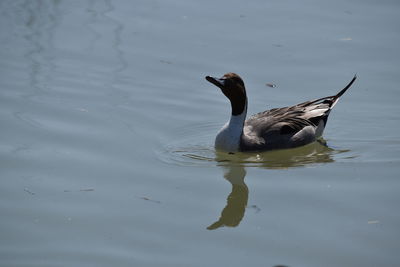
277 128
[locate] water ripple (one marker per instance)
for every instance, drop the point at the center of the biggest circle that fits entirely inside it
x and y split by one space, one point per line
193 147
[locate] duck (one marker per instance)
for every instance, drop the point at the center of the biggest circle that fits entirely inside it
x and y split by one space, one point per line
277 128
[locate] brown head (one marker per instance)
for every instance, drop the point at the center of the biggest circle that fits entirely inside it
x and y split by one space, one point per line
232 86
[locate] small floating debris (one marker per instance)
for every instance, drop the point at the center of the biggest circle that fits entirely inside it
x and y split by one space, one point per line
256 208
151 200
272 85
87 190
80 190
29 191
373 222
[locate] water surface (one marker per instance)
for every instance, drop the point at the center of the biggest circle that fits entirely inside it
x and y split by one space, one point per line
107 129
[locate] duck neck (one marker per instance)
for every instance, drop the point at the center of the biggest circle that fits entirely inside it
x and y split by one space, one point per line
238 116
228 138
235 127
236 122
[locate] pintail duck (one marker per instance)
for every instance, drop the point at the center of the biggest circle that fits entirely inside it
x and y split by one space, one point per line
277 128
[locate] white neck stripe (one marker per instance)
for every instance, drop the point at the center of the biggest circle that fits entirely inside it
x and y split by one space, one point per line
228 138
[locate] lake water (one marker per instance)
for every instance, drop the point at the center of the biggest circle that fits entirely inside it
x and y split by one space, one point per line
107 131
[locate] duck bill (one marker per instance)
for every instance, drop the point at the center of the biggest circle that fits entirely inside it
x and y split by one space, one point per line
216 81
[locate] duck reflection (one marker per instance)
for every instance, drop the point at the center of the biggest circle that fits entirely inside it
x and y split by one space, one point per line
236 202
234 171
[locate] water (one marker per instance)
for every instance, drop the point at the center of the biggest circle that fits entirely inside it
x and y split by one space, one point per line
107 127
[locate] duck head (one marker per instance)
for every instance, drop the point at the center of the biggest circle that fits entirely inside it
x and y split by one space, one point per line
232 86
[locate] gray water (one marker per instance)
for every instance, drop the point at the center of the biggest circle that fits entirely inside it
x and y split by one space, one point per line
107 130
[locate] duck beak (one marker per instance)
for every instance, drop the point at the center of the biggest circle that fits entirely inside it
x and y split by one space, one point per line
216 81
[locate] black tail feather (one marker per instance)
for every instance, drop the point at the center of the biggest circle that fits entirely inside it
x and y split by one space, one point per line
347 87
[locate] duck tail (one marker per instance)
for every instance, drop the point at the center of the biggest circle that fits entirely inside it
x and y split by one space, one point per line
336 97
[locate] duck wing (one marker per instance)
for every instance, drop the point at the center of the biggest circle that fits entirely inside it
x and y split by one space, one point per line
282 121
278 126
